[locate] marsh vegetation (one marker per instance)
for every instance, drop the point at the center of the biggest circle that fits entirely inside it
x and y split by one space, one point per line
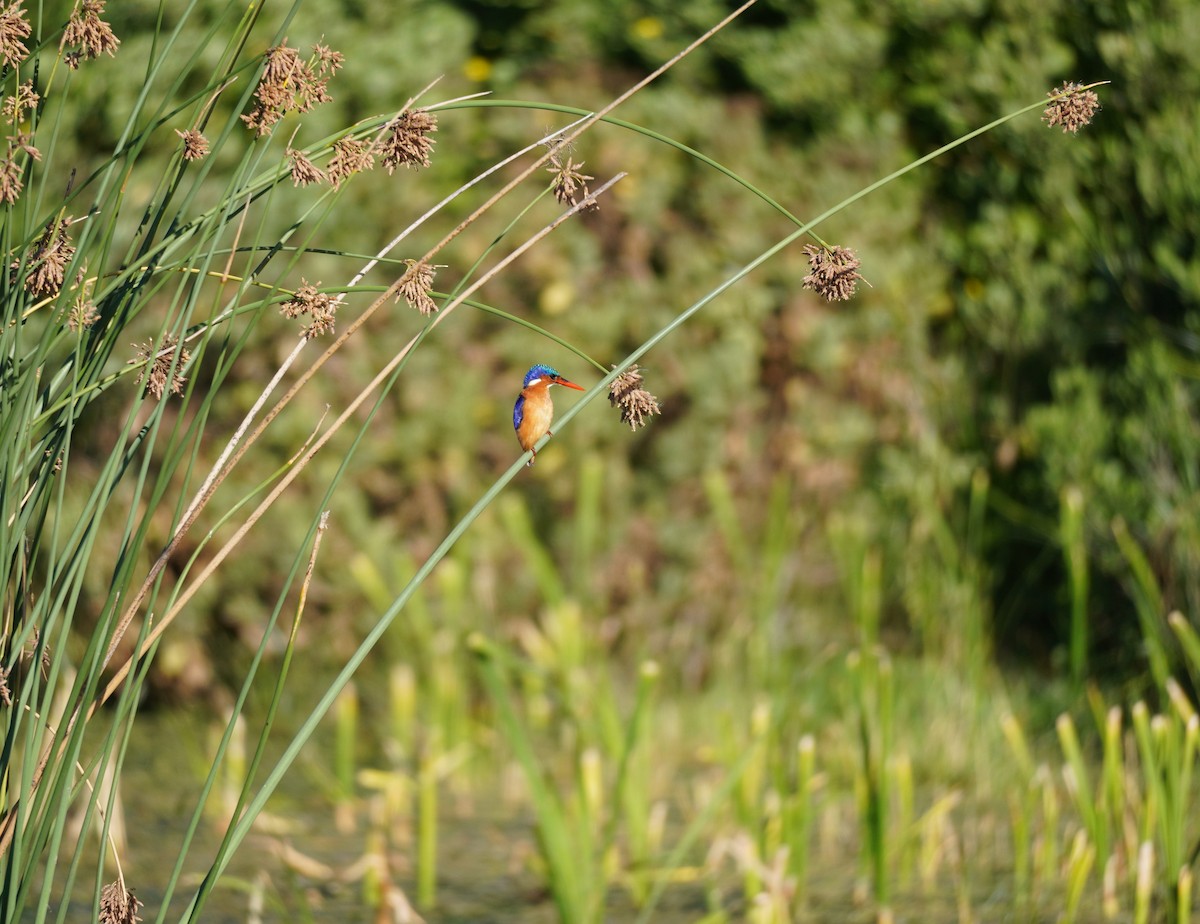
869 593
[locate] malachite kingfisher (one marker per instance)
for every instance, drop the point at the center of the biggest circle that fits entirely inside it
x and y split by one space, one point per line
534 411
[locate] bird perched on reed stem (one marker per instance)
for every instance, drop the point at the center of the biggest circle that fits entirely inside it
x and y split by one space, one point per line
534 411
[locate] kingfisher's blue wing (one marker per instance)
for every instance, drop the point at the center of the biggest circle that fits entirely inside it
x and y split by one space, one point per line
518 412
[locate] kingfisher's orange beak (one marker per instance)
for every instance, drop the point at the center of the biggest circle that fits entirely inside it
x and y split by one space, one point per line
561 381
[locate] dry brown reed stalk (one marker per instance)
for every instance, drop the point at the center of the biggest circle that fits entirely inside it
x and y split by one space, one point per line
322 525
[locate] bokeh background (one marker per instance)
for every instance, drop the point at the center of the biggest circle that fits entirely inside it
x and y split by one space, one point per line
1030 317
985 464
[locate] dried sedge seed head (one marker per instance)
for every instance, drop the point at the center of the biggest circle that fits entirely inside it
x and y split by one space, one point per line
83 313
13 30
260 118
323 317
5 693
408 144
157 366
1072 111
349 157
326 60
22 142
273 96
48 259
10 179
416 284
195 145
320 308
282 65
834 271
569 179
289 83
635 402
24 99
89 33
304 171
118 905
312 89
301 302
11 171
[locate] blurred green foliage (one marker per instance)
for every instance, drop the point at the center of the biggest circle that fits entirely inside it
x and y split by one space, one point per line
1031 315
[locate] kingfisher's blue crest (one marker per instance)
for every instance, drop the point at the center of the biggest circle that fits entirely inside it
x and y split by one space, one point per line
539 371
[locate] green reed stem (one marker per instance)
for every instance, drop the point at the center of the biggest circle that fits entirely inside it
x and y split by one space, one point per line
1148 602
1075 553
1095 820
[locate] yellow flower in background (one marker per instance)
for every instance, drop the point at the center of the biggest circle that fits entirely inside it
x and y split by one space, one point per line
477 69
647 28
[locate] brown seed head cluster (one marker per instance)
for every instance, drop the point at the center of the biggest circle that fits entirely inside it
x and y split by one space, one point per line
304 171
195 145
157 372
10 179
88 35
14 29
349 157
14 106
320 308
408 144
11 169
83 313
834 271
416 284
118 905
5 693
635 402
290 83
569 180
48 259
1072 111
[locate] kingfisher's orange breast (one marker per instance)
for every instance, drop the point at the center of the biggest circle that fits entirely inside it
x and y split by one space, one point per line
538 414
